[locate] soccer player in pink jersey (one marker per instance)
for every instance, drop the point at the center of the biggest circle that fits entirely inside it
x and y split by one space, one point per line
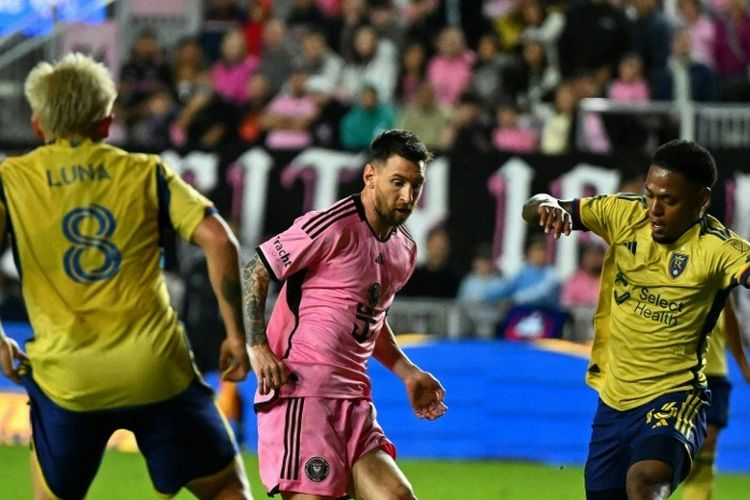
341 267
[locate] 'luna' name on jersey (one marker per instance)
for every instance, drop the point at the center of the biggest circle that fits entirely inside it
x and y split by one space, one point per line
66 176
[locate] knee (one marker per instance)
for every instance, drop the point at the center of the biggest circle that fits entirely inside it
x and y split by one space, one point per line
403 492
650 480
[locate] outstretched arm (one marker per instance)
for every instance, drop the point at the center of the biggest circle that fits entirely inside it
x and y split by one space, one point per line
269 370
425 392
550 213
220 248
734 339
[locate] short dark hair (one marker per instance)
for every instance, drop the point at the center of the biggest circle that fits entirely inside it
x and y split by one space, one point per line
688 159
399 142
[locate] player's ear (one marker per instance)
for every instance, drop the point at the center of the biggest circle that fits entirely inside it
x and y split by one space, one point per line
37 127
102 128
369 176
704 198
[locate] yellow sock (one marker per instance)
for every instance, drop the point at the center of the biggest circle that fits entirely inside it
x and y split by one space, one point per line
699 483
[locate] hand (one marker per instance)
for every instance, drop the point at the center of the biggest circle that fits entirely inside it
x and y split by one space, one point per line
426 395
234 362
9 352
553 217
269 370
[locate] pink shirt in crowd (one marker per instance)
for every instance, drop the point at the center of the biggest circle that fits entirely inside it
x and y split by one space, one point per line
450 77
339 281
515 140
582 289
636 91
291 106
231 81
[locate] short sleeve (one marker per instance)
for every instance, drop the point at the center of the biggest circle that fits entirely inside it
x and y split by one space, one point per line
607 215
735 262
186 206
293 250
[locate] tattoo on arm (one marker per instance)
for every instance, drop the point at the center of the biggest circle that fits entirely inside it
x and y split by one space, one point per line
255 279
230 291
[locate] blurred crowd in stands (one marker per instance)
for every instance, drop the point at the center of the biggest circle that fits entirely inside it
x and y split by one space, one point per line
504 74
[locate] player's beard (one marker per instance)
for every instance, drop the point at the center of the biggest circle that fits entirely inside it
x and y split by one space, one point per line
390 216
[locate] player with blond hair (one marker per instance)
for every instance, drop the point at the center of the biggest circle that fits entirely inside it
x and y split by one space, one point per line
86 222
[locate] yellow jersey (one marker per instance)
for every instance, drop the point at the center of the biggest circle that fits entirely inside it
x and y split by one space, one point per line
85 221
658 301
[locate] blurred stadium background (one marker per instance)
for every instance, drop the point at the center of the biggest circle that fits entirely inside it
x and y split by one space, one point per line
267 107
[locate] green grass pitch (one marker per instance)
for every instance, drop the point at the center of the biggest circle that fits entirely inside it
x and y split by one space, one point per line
123 476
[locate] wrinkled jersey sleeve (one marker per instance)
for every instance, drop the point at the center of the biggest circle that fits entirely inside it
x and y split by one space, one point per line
187 207
735 262
606 215
293 250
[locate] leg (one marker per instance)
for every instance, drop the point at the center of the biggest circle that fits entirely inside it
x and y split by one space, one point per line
375 476
229 483
187 442
649 480
699 484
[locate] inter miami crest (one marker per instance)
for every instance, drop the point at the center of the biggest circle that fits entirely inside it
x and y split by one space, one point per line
677 264
316 469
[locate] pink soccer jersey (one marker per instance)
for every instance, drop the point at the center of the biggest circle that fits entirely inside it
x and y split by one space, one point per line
340 279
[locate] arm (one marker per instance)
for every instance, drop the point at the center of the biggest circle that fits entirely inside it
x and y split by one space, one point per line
220 248
425 392
734 339
550 213
9 352
269 370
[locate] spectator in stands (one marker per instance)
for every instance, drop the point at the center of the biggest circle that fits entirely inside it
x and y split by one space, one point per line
652 36
543 25
685 78
701 29
423 19
449 70
375 63
426 118
433 278
232 71
288 117
488 70
536 283
258 11
343 27
628 132
511 136
580 293
250 129
595 37
484 276
366 120
304 16
533 79
384 18
145 88
278 56
557 128
322 64
732 50
219 17
411 74
470 129
595 137
509 25
189 70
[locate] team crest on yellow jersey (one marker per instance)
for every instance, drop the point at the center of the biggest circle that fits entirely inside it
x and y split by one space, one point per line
677 264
